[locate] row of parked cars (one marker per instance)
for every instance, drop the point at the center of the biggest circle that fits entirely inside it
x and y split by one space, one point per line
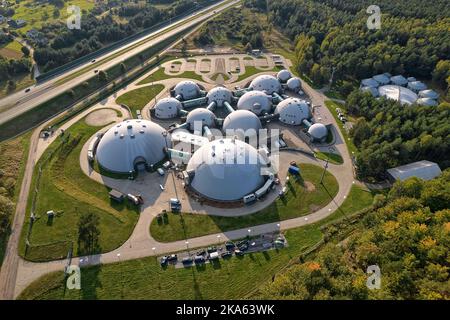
211 253
341 115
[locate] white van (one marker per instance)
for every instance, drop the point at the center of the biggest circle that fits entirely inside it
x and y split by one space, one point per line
160 171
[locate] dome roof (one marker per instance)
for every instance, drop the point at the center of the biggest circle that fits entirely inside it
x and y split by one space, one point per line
284 75
187 90
167 108
226 170
201 114
293 111
318 131
255 101
294 84
219 95
242 120
401 94
268 84
427 102
429 94
129 142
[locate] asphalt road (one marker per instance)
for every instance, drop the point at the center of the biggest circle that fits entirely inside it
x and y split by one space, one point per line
20 102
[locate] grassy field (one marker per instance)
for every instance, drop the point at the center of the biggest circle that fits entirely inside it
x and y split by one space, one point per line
251 71
139 98
161 74
38 15
69 192
13 157
332 105
298 202
331 157
12 50
235 278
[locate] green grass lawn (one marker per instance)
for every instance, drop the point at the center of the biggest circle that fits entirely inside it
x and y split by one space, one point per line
297 202
331 157
236 278
139 98
251 71
332 105
69 192
160 74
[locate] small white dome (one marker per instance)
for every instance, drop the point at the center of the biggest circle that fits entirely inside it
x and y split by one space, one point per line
293 111
284 75
219 95
294 84
255 101
242 120
167 108
187 90
318 131
427 102
201 114
131 142
268 84
226 170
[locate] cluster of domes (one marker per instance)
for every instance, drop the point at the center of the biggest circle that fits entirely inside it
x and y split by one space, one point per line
293 111
255 101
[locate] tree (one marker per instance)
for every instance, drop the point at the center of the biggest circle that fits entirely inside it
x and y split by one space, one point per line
88 232
11 86
102 76
25 51
123 67
184 47
248 47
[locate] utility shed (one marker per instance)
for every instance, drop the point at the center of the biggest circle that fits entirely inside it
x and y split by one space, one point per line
425 170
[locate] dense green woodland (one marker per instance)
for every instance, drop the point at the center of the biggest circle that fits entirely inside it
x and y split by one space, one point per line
407 235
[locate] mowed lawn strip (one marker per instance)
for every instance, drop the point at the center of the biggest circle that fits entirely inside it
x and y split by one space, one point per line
235 278
161 74
139 98
299 201
65 189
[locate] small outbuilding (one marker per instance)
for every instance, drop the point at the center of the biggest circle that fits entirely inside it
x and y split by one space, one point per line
399 80
425 170
431 94
369 83
417 86
382 79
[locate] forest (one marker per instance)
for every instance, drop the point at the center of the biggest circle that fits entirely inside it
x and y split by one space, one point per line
406 234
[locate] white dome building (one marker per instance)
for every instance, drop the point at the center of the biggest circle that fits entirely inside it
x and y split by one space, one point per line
398 93
427 102
206 117
268 84
284 75
242 120
132 145
226 170
187 90
318 132
294 84
167 108
219 95
293 111
255 101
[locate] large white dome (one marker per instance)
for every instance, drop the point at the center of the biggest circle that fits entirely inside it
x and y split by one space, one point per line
219 95
268 84
293 111
226 170
242 120
187 90
130 143
255 101
294 84
318 131
400 94
167 108
284 75
201 115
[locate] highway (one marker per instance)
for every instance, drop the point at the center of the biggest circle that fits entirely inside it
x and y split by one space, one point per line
14 105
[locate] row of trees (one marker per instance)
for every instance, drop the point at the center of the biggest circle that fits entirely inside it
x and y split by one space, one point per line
407 235
12 67
388 134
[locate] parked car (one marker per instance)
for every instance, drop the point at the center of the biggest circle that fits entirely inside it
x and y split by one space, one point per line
226 254
172 258
238 253
187 260
214 255
211 249
163 261
243 247
160 172
201 252
230 245
199 259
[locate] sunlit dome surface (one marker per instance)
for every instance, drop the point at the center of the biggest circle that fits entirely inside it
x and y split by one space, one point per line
167 108
268 84
427 102
318 131
206 117
187 90
284 75
400 94
293 111
219 95
255 101
242 120
131 142
294 84
226 170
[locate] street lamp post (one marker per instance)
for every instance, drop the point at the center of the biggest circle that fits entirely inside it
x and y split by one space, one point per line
121 277
324 170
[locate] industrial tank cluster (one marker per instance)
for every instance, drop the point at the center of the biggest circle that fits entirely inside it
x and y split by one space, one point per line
228 169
